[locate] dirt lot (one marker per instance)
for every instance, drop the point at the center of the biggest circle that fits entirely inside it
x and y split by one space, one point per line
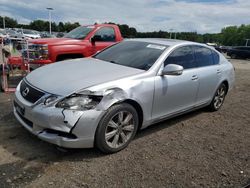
200 149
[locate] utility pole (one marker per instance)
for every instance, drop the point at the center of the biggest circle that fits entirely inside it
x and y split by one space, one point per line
3 22
247 42
171 33
49 9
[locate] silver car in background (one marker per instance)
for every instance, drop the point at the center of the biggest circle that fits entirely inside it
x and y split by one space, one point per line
102 101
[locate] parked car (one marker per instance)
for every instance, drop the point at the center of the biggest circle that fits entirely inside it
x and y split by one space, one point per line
31 34
46 34
239 52
13 34
222 49
102 101
83 41
3 34
60 34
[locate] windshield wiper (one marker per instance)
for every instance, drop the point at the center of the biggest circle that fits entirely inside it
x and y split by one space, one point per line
113 62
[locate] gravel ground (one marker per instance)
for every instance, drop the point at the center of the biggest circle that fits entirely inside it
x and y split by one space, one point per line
199 149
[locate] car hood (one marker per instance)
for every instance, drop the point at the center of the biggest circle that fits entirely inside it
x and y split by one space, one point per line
56 41
66 77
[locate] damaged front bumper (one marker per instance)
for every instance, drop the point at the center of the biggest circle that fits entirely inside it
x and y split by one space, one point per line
65 128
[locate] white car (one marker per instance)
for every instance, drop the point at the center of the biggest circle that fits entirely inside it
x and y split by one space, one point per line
103 100
30 34
3 33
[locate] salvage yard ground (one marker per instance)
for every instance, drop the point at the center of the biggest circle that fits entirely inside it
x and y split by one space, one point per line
200 149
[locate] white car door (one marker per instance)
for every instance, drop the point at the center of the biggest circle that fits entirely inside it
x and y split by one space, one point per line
176 93
209 73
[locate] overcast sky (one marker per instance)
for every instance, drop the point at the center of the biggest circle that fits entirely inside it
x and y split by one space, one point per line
203 16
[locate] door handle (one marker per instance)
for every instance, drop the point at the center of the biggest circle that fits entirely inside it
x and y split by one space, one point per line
218 71
194 77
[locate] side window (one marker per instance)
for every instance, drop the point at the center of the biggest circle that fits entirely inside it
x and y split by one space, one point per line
107 34
203 56
182 56
216 58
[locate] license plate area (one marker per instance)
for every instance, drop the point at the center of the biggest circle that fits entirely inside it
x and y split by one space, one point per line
19 109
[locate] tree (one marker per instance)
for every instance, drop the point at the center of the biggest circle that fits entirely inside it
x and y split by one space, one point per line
61 27
39 25
69 26
9 22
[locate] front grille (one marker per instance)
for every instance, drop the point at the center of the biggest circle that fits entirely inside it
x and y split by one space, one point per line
30 93
34 52
31 55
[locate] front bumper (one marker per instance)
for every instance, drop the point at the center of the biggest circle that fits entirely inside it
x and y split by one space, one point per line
65 128
40 61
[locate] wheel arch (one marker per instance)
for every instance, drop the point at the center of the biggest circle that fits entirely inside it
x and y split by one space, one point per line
226 84
138 109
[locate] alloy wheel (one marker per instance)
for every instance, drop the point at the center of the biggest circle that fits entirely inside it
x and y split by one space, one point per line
219 97
119 130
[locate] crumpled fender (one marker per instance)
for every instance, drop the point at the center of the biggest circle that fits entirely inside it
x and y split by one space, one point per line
112 95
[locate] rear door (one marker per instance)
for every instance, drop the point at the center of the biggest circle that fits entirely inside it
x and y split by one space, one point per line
209 73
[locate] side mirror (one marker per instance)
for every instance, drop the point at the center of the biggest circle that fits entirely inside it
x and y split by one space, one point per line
96 38
172 69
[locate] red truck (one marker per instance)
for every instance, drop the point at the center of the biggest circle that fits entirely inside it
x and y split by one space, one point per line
83 41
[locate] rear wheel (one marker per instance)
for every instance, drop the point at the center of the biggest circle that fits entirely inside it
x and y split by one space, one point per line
117 128
233 56
219 98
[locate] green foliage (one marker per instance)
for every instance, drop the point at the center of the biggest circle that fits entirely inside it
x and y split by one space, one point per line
9 22
126 31
69 26
39 25
235 36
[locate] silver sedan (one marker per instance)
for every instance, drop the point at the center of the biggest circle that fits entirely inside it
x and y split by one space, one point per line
104 100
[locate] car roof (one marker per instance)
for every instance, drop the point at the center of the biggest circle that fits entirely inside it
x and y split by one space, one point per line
162 41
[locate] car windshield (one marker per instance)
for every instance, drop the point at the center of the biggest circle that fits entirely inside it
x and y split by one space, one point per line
11 32
28 32
79 32
136 54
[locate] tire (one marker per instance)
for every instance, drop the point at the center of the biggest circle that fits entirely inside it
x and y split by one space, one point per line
218 98
233 56
117 128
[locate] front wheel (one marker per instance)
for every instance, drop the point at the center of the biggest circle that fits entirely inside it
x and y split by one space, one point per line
219 98
117 128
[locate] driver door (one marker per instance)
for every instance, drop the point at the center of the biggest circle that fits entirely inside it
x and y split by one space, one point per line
176 93
106 37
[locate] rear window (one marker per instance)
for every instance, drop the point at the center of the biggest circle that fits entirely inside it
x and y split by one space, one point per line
107 34
203 56
216 57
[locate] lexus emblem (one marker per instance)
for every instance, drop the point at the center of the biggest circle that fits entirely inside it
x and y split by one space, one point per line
26 91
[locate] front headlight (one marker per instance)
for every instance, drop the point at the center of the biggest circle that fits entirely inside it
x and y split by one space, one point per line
44 51
79 102
38 51
50 99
